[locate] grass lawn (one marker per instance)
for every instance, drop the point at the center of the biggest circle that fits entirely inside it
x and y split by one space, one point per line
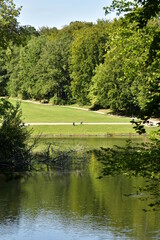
85 130
47 113
40 113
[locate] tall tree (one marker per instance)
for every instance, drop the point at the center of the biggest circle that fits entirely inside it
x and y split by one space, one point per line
13 134
144 15
8 34
140 11
128 81
8 22
88 51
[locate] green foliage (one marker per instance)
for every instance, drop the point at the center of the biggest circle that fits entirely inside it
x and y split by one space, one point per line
111 85
28 60
13 68
138 10
56 101
58 56
88 51
128 81
8 22
11 35
3 72
44 61
14 149
8 29
142 160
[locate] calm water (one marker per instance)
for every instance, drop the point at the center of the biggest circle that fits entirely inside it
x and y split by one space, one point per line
75 205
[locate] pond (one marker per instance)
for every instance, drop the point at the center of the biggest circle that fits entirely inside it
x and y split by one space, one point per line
75 204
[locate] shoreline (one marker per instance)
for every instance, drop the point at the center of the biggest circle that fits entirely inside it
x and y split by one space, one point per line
108 135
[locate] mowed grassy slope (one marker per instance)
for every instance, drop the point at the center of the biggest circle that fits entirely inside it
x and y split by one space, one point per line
39 113
83 130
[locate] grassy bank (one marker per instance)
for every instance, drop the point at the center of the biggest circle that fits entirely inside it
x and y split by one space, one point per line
85 130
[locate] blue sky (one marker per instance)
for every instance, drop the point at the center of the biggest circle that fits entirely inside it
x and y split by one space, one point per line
57 13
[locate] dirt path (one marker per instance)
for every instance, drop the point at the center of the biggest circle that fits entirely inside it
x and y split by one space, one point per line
76 123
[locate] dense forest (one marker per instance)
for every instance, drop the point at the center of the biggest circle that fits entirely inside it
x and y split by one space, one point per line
110 64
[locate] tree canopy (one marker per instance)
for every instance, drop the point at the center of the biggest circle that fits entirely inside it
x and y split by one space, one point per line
88 51
8 22
138 10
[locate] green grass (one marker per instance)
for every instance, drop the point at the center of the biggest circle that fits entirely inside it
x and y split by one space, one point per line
38 113
85 130
46 113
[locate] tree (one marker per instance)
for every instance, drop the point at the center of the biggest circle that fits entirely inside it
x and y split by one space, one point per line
49 33
110 86
40 69
88 51
3 72
128 81
14 150
52 69
25 33
28 58
8 22
130 74
8 34
140 11
13 69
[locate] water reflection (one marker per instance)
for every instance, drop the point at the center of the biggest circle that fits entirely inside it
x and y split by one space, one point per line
89 142
74 205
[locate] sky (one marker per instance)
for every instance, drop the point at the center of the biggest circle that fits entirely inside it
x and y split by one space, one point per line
58 13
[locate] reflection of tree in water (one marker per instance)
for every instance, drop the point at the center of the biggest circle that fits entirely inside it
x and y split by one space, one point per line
10 199
74 158
141 160
79 197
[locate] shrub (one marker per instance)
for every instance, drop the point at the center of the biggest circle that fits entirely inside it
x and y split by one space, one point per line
14 136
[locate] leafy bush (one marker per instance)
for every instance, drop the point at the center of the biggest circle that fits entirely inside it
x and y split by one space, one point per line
57 101
14 136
